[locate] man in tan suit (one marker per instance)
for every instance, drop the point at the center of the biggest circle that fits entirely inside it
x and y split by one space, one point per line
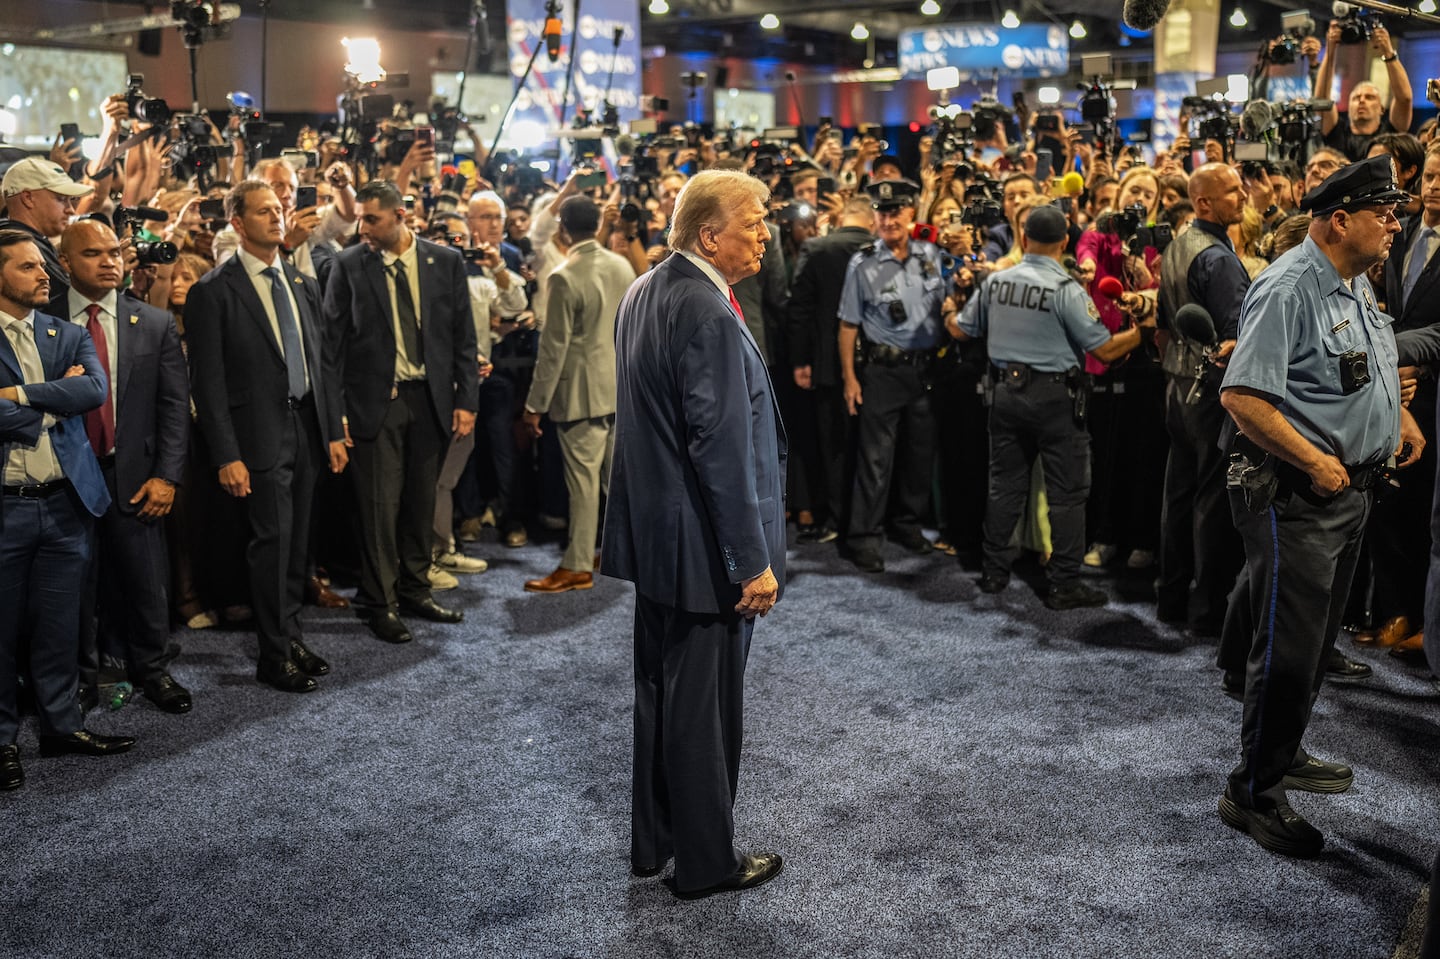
575 382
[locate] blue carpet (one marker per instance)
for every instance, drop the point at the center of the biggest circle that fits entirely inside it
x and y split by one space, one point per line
946 774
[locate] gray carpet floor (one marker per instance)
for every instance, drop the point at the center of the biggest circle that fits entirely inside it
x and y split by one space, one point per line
946 774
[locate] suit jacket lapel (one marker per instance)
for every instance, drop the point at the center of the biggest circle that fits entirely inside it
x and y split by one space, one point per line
48 345
244 290
684 266
8 359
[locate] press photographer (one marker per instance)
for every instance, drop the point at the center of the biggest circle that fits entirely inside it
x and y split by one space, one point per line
1366 116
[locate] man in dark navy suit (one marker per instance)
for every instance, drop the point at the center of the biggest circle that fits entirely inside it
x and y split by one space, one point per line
49 376
139 435
253 325
696 520
400 347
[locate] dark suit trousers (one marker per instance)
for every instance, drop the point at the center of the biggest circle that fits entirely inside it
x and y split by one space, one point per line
1300 557
689 699
395 475
44 549
125 607
835 454
1198 541
278 511
896 448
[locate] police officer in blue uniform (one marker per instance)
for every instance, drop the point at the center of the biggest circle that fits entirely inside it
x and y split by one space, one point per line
1313 388
1038 323
890 306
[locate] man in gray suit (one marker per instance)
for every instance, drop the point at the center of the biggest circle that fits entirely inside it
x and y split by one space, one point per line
696 520
575 382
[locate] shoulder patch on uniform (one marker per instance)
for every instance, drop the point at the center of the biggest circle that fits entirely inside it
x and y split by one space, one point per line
1092 309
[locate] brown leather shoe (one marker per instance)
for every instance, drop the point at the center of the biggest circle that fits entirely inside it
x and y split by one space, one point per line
561 581
317 593
1410 644
1392 632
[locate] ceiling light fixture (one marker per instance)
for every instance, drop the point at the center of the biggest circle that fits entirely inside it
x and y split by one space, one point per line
1427 6
930 8
1238 19
859 31
659 7
1077 30
770 22
1010 21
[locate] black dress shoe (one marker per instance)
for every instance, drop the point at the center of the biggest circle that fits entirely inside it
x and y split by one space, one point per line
1074 596
645 872
993 583
286 677
84 743
1344 669
1280 829
309 663
11 775
167 695
387 625
914 541
429 609
1318 776
754 871
868 560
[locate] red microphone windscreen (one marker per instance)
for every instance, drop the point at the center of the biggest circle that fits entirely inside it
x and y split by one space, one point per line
1110 288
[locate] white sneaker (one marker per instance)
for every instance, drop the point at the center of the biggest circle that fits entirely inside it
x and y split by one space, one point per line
456 562
439 579
1141 559
1099 555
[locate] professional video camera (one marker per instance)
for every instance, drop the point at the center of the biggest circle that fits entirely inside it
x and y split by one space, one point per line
150 110
1097 99
989 114
983 208
1297 26
1299 123
1356 23
1215 121
449 198
1129 225
149 248
191 153
508 169
954 133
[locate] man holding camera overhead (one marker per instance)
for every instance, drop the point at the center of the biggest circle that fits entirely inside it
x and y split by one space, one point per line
1366 118
890 321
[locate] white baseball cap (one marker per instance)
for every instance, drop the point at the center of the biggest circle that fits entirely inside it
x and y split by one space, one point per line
41 173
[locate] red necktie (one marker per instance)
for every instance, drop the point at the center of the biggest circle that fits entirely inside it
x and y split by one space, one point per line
736 303
100 423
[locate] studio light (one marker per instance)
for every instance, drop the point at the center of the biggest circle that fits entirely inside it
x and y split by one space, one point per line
364 62
930 8
770 22
1010 21
1238 19
1048 96
1427 6
659 7
1077 30
859 31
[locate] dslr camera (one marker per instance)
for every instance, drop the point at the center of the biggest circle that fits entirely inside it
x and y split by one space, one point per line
145 109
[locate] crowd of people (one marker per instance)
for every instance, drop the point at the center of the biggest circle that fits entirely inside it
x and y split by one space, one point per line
430 352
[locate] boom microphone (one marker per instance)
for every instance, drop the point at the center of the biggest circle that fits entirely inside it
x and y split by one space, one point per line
1144 14
552 32
1193 322
1256 119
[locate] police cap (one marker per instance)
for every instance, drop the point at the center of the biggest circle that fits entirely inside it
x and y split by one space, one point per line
893 194
1046 224
1367 183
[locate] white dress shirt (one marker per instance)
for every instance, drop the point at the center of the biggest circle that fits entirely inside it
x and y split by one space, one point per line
255 268
29 465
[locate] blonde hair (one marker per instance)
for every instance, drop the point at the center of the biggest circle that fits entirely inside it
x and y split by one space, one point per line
1130 174
711 198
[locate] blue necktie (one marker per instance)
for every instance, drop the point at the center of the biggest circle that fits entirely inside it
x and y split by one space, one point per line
289 334
1417 264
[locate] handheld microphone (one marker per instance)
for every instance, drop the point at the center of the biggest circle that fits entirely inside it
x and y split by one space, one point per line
552 33
1144 14
1072 184
1110 288
1194 322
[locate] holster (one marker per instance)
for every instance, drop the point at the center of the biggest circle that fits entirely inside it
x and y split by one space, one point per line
1254 472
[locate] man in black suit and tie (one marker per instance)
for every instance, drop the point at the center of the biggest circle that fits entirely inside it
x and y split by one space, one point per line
139 435
696 520
49 377
260 398
400 348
